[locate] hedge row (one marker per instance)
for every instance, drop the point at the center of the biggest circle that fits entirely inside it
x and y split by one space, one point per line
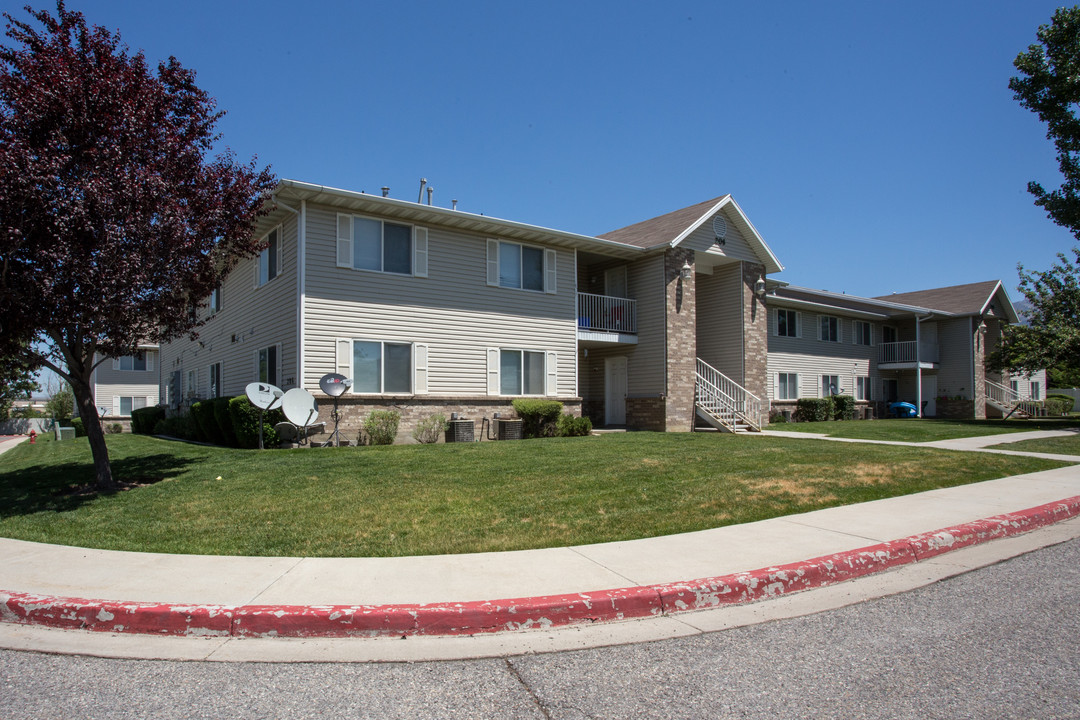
835 407
230 422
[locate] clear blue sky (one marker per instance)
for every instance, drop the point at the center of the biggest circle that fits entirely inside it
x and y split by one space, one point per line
876 146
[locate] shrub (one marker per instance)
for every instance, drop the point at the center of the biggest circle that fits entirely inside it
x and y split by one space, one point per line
814 409
381 427
429 429
180 427
1067 402
245 423
144 420
114 428
776 417
206 423
843 407
571 426
538 417
224 421
77 423
61 405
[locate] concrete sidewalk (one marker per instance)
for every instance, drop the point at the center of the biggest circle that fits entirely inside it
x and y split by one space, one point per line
230 602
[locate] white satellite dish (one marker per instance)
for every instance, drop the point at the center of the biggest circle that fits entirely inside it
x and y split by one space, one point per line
334 385
264 396
300 407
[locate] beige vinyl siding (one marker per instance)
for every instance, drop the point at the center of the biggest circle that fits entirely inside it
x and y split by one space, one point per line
257 316
735 246
719 299
955 372
646 365
110 384
453 311
811 358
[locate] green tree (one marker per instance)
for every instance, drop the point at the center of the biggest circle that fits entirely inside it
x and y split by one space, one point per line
1051 337
17 382
61 405
1049 85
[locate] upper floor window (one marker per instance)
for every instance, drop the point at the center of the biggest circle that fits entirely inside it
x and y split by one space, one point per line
864 333
215 300
787 323
525 267
270 257
140 362
830 328
369 244
888 334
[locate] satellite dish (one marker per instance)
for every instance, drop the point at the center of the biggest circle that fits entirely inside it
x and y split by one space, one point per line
719 226
334 385
264 396
300 407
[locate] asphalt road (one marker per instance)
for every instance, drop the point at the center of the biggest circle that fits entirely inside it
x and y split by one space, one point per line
999 642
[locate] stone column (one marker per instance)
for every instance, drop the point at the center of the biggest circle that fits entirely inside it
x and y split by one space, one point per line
755 334
681 343
979 341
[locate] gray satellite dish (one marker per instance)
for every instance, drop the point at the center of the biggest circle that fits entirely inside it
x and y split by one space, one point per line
264 396
300 407
334 385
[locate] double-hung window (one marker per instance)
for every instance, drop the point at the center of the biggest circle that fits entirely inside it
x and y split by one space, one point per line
215 300
830 328
864 333
1036 390
787 323
525 267
381 367
266 362
787 386
862 389
830 385
192 383
140 362
381 246
127 404
270 257
215 380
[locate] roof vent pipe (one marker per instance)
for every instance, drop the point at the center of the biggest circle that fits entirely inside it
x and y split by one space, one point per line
430 190
420 195
386 191
455 204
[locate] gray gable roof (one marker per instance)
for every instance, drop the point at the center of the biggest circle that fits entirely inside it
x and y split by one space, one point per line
970 299
661 230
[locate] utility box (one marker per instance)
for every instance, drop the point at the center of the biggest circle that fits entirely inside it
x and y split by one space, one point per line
461 431
509 429
65 433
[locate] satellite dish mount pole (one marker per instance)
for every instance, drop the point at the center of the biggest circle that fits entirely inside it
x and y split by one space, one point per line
336 416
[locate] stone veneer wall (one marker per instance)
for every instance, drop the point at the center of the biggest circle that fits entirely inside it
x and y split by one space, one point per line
952 409
979 340
648 413
681 353
413 409
755 334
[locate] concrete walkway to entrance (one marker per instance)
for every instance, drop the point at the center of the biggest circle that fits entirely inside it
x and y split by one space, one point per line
69 599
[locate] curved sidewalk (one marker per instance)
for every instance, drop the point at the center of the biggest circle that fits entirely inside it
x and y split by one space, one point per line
237 599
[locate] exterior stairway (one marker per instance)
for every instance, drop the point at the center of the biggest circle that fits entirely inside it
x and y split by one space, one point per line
724 404
1010 402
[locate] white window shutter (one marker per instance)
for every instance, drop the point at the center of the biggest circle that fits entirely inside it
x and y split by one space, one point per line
420 252
492 262
420 376
280 254
493 371
550 274
115 405
344 240
796 392
798 324
150 360
116 363
343 359
552 374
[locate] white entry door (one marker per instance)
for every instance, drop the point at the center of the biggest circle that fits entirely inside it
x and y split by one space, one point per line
615 390
929 395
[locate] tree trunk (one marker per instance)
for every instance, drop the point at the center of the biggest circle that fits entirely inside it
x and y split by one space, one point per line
84 399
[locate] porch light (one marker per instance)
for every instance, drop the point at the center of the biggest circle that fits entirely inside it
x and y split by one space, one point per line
687 272
759 287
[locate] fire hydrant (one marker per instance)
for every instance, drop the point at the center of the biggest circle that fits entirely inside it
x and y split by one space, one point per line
32 436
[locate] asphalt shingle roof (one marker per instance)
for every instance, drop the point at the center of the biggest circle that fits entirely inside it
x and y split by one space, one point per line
663 229
957 299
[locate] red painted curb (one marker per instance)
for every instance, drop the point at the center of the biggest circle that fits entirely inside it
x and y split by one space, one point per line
469 618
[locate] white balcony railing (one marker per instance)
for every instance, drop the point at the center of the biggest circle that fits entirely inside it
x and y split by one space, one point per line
606 313
904 352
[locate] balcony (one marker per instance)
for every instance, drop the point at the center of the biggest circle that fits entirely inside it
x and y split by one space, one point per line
903 355
603 319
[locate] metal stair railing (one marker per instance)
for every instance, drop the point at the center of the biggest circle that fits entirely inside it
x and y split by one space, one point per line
1007 399
737 400
709 399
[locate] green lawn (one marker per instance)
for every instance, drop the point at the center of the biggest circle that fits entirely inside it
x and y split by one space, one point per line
928 430
410 500
1058 445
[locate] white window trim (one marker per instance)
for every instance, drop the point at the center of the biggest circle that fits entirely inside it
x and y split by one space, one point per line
210 379
778 384
494 374
191 389
821 386
277 368
867 392
420 252
839 329
264 255
549 270
856 333
345 364
798 322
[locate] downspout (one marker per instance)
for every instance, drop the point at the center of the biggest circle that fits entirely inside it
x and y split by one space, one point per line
918 365
300 222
